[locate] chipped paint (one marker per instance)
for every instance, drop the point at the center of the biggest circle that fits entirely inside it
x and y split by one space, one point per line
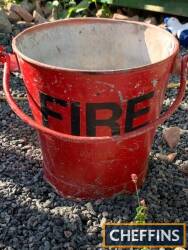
154 82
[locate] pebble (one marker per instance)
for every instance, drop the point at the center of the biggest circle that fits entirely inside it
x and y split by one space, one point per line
5 25
184 167
3 122
13 17
179 248
151 20
124 17
67 234
38 18
168 158
120 16
21 11
47 245
90 208
28 5
105 214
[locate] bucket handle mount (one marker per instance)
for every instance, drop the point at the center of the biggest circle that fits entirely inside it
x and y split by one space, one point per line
41 128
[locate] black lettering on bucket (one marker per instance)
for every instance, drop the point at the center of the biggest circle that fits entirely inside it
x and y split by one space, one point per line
91 114
75 118
92 122
131 114
48 112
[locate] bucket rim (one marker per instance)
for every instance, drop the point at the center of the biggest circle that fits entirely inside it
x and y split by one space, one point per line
90 20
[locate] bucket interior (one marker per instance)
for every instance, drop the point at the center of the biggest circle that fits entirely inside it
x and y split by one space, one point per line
95 45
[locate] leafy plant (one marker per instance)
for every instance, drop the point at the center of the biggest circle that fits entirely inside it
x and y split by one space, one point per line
141 209
141 213
79 8
70 8
105 11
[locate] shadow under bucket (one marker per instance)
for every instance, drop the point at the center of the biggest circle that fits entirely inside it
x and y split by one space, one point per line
95 88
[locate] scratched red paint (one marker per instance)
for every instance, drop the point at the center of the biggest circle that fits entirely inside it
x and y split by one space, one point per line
99 165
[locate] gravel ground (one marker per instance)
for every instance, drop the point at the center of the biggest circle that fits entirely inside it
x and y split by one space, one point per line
33 216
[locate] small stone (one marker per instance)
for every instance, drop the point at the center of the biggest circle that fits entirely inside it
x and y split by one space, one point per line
4 122
47 245
179 248
3 167
29 6
120 16
98 202
171 136
186 150
24 24
13 17
103 221
67 234
123 17
38 18
177 220
171 157
168 158
12 229
162 157
5 25
105 214
22 12
151 20
89 223
47 203
68 246
90 208
184 106
186 191
184 167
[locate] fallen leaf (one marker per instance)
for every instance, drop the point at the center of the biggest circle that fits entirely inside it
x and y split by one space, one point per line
171 136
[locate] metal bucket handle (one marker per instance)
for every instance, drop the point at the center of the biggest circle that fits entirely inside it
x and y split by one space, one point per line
67 137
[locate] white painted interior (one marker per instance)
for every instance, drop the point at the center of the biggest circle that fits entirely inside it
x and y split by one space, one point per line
96 46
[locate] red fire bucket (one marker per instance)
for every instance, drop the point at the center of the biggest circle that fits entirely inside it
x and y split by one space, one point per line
95 88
